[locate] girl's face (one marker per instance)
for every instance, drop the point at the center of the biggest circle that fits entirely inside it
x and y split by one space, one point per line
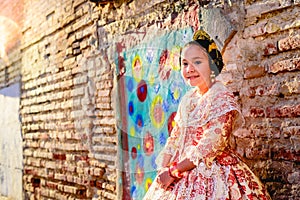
195 67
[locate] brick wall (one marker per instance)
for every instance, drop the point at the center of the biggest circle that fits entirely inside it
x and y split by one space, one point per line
263 58
67 71
262 68
66 109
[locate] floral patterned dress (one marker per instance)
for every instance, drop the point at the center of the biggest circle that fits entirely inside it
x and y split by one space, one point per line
204 124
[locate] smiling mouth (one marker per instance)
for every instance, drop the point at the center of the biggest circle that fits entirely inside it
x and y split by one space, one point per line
193 77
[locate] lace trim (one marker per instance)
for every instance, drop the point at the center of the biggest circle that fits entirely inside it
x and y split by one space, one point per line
195 111
194 155
198 110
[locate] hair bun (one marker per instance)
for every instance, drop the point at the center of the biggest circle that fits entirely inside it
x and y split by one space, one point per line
206 42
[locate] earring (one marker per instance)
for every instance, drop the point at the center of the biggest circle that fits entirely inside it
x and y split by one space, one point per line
213 76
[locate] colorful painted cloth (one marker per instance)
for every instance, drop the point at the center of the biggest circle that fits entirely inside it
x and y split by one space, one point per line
204 125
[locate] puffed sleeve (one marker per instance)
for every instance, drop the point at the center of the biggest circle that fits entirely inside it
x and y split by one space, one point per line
211 139
172 141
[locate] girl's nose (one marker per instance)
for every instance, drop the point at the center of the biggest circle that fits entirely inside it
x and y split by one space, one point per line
190 68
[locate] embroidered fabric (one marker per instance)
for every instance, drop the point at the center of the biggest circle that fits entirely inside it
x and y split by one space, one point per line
204 124
194 112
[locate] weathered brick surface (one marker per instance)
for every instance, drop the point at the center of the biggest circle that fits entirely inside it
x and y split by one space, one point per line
269 95
59 107
285 65
289 43
254 71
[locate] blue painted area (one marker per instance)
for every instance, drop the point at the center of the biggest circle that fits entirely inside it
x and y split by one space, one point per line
156 65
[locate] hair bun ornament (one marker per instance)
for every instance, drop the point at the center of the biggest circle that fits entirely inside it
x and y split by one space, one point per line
205 41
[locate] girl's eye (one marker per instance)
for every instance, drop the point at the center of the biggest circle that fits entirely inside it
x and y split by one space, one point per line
197 62
185 64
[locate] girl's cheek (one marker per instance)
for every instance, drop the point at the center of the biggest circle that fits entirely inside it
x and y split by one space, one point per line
184 73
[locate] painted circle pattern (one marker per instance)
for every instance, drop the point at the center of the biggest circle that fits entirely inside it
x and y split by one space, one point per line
141 91
157 114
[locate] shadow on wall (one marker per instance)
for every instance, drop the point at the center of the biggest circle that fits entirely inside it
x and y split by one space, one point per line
10 143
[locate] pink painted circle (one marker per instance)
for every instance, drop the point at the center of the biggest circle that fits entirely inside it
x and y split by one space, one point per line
148 144
139 174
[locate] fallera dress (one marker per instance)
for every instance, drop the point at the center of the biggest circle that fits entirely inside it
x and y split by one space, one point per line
203 126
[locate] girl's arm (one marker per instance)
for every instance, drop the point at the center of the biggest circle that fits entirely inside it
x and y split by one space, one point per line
213 142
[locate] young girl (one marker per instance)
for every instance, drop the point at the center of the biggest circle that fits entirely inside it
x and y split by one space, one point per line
197 161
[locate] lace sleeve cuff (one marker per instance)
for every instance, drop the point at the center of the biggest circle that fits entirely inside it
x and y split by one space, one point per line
193 154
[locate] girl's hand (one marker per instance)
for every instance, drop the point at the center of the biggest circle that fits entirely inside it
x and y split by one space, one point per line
164 179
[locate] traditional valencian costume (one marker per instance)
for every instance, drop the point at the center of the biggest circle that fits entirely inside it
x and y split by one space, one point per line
204 125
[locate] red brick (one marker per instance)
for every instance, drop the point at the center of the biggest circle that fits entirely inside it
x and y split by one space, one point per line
74 190
274 132
29 170
258 90
286 154
289 88
257 153
104 93
257 112
70 168
52 185
87 171
50 174
267 133
291 130
70 178
99 184
243 133
99 172
44 192
270 49
59 156
285 65
254 71
283 111
258 148
61 177
289 43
